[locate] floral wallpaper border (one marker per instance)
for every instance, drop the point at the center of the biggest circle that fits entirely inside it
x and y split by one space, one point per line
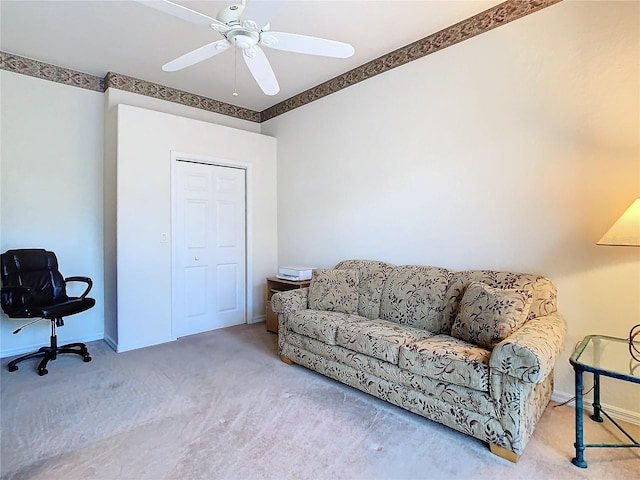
494 17
142 87
54 73
46 71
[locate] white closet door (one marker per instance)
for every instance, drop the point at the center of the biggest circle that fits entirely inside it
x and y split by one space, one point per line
209 253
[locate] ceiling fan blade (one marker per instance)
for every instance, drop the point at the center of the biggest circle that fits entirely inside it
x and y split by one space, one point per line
261 11
292 42
184 13
197 55
261 70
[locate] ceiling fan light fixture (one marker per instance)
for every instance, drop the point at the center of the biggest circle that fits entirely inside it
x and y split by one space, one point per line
242 38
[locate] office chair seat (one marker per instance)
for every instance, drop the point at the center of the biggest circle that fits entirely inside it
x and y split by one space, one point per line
32 287
63 309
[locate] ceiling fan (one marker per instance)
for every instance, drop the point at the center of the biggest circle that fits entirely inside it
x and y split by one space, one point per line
245 26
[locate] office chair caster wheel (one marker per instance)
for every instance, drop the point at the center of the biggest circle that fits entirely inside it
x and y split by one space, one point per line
87 359
42 371
12 368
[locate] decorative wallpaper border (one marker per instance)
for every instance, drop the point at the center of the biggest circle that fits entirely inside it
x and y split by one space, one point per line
142 87
46 71
494 17
483 22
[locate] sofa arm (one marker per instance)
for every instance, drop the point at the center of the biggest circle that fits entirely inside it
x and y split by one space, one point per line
290 301
531 352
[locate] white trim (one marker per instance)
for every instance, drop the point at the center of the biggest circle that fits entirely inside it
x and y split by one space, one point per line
35 346
615 412
125 347
111 342
248 168
249 240
258 319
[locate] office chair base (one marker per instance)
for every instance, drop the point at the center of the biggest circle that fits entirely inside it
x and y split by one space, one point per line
51 353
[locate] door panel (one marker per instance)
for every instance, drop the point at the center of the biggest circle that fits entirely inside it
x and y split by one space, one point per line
209 253
195 225
195 290
227 281
226 225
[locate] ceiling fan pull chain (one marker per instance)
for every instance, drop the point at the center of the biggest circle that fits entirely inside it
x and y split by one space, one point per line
235 72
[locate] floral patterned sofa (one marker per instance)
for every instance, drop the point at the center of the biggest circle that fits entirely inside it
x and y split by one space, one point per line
473 350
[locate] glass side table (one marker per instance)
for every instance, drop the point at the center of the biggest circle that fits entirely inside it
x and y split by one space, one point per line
606 356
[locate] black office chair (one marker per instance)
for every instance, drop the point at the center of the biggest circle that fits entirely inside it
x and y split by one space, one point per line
32 287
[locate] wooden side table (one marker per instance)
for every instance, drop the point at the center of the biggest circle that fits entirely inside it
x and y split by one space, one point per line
275 285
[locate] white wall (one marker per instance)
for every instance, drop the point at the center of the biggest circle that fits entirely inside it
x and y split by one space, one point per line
51 193
514 150
112 98
145 141
51 173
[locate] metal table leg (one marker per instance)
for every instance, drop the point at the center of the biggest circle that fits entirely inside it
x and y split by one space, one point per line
596 417
578 460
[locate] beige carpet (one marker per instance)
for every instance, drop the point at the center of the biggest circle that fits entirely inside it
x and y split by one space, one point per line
222 405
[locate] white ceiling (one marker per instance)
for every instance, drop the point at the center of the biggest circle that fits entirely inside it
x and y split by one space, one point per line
129 38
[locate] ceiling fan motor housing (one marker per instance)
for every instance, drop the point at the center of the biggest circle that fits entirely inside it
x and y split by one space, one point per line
230 14
239 35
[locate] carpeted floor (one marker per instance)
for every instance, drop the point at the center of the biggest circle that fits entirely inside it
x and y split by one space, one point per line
222 405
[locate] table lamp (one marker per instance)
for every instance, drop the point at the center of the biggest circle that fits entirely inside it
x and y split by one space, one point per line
626 233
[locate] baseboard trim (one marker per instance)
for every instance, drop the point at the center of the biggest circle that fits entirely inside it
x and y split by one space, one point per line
112 343
33 347
258 319
126 347
615 412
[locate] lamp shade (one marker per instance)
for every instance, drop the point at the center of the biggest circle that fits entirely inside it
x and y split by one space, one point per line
626 230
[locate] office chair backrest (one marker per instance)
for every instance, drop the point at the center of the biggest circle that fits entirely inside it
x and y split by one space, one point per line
37 269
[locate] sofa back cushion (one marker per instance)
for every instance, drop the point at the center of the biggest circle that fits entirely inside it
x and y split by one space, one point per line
415 295
334 290
542 289
371 277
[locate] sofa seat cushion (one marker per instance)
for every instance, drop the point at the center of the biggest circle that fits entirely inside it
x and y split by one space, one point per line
463 397
319 324
378 338
449 359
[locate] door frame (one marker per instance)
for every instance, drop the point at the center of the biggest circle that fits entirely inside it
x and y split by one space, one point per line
248 223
